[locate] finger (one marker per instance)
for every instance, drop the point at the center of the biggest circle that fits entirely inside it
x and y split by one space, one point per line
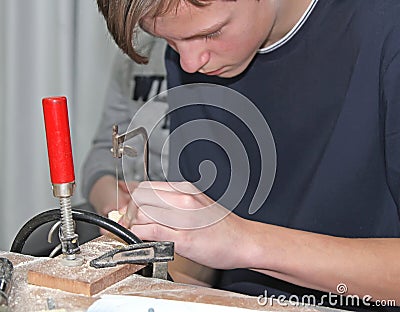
182 187
122 210
127 187
154 232
143 217
180 219
129 214
123 199
164 199
177 210
132 214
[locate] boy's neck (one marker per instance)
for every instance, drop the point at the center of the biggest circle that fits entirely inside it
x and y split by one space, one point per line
289 13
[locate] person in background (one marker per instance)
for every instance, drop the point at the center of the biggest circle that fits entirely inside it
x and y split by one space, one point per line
131 85
326 76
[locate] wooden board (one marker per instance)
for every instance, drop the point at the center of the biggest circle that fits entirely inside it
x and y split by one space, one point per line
82 279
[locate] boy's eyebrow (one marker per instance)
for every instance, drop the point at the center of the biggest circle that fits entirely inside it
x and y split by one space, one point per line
203 32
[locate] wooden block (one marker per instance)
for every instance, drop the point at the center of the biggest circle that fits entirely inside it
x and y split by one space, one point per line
82 279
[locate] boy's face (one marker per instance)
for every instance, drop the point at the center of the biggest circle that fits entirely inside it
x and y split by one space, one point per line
219 39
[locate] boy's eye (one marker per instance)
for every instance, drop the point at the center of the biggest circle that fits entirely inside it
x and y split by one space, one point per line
212 35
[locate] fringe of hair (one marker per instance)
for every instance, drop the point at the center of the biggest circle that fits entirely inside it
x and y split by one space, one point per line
123 16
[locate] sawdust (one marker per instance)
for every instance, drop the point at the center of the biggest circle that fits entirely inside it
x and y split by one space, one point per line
82 279
137 285
17 259
26 298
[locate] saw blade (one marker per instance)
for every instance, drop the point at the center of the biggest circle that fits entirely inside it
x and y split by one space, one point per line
117 186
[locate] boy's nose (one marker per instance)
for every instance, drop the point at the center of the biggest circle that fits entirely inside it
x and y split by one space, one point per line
192 57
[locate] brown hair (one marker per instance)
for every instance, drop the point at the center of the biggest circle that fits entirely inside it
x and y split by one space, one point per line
123 16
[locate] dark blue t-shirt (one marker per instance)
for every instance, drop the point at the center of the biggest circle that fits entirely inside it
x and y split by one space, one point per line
331 97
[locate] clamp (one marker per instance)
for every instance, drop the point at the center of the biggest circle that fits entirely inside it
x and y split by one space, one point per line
157 254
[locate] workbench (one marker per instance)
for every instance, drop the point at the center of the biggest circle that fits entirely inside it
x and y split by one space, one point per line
26 297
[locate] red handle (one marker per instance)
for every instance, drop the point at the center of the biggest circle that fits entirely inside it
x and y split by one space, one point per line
58 140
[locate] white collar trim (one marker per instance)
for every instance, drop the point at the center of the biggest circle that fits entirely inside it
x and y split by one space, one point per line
292 32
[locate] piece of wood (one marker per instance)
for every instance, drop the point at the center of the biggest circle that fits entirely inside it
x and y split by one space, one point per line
115 215
81 279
